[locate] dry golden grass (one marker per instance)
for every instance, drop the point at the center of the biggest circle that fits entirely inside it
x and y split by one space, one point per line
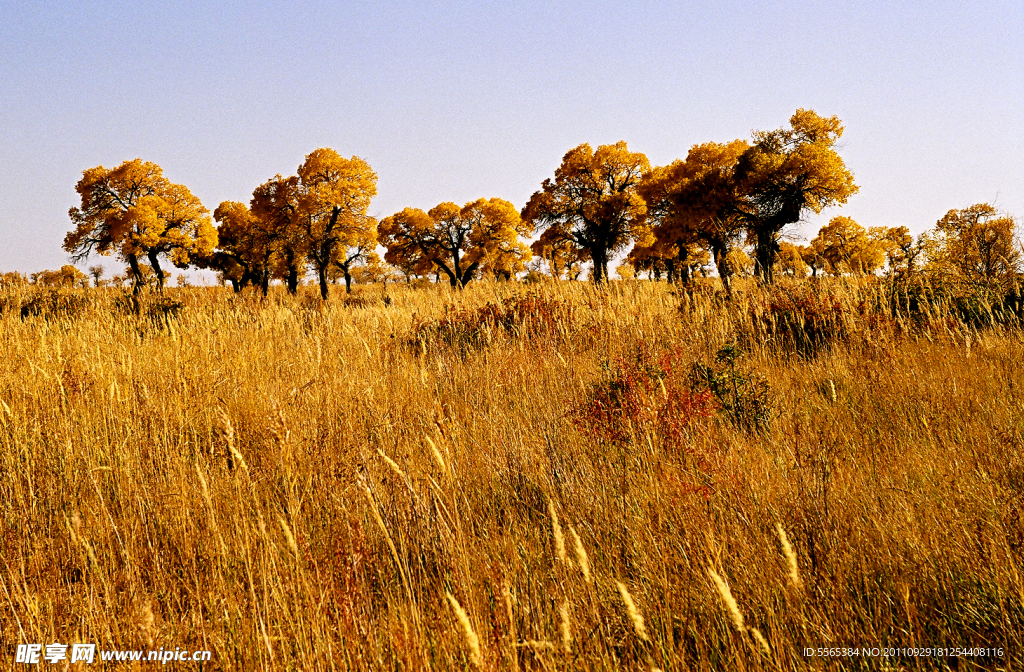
304 487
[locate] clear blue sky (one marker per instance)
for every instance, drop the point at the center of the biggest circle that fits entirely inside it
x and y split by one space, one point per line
456 101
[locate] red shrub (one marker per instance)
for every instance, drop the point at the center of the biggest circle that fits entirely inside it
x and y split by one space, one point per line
643 395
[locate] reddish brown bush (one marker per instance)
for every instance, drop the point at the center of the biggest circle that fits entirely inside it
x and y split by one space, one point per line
645 394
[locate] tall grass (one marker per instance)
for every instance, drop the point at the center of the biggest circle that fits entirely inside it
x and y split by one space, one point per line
361 485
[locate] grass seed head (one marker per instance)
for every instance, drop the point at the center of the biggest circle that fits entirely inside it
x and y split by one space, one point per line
472 641
581 554
787 550
729 600
556 531
566 628
437 455
634 614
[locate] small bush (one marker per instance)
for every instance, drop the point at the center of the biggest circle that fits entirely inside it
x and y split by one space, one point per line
54 304
159 310
355 301
164 308
643 395
920 302
745 398
528 316
799 318
10 302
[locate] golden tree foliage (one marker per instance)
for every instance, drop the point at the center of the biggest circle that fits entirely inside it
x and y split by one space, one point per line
12 279
262 240
66 276
740 263
812 256
901 249
694 202
275 206
134 211
625 271
791 260
242 254
667 242
848 248
335 195
373 269
662 248
457 241
592 203
563 257
787 172
977 247
507 260
650 259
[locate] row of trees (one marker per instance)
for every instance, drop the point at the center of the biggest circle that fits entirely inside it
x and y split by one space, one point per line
723 193
976 247
66 276
678 218
316 218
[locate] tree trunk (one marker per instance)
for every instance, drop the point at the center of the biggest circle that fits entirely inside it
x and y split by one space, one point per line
321 273
767 232
456 277
724 272
600 259
133 263
291 271
683 260
348 281
154 261
764 257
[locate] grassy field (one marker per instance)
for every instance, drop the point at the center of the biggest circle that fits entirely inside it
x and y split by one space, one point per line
511 477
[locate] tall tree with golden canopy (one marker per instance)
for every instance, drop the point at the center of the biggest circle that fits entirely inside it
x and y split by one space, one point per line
458 241
786 173
695 201
336 194
275 208
977 247
244 248
592 202
135 212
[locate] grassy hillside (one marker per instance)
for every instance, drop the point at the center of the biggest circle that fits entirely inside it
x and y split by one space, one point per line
510 477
